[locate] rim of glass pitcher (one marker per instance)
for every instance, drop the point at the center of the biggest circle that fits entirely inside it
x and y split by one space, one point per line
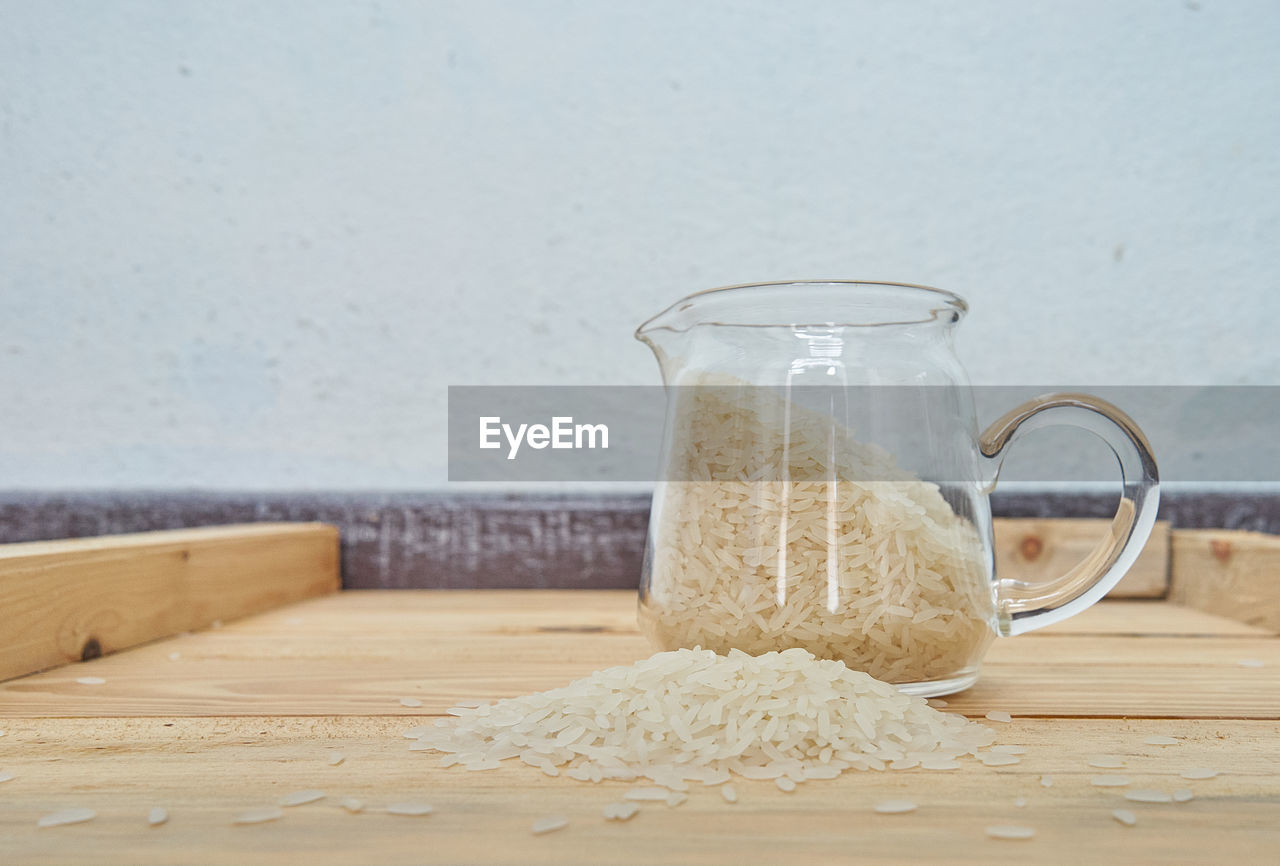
948 307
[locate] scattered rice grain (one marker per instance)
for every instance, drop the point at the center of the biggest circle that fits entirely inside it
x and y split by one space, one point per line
1199 773
1109 781
1182 795
66 816
301 798
1250 663
620 811
998 759
157 816
90 681
1106 762
729 793
999 716
336 758
1124 816
549 824
259 816
410 702
1147 795
895 807
1010 831
352 804
1046 781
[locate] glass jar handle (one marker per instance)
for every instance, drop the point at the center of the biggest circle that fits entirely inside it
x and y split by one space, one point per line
1025 606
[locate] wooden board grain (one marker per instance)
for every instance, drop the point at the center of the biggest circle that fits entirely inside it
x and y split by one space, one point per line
361 652
1231 573
204 771
251 711
1036 550
78 599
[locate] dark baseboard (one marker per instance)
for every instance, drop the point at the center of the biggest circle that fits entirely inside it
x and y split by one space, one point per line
482 541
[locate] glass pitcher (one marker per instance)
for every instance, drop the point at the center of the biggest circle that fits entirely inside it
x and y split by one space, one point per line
824 485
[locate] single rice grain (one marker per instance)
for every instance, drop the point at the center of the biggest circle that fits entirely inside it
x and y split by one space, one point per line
620 811
1147 795
259 815
66 816
998 759
1109 781
301 798
1010 831
549 824
1106 762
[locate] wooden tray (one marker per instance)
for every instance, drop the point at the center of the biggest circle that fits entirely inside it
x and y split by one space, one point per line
213 722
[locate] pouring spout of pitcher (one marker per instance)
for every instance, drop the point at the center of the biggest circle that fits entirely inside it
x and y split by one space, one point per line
665 345
666 336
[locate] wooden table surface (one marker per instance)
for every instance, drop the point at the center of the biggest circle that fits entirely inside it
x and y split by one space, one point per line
209 724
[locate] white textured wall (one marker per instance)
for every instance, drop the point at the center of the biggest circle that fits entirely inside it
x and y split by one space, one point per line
250 244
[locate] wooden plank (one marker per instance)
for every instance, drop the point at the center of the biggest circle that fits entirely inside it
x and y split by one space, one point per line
615 610
205 771
1134 617
1036 550
360 652
248 712
65 601
1231 573
1034 678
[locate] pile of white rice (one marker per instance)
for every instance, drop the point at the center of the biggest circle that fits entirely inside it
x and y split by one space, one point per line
694 716
856 560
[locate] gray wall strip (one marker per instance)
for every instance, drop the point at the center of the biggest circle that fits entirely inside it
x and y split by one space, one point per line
455 541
